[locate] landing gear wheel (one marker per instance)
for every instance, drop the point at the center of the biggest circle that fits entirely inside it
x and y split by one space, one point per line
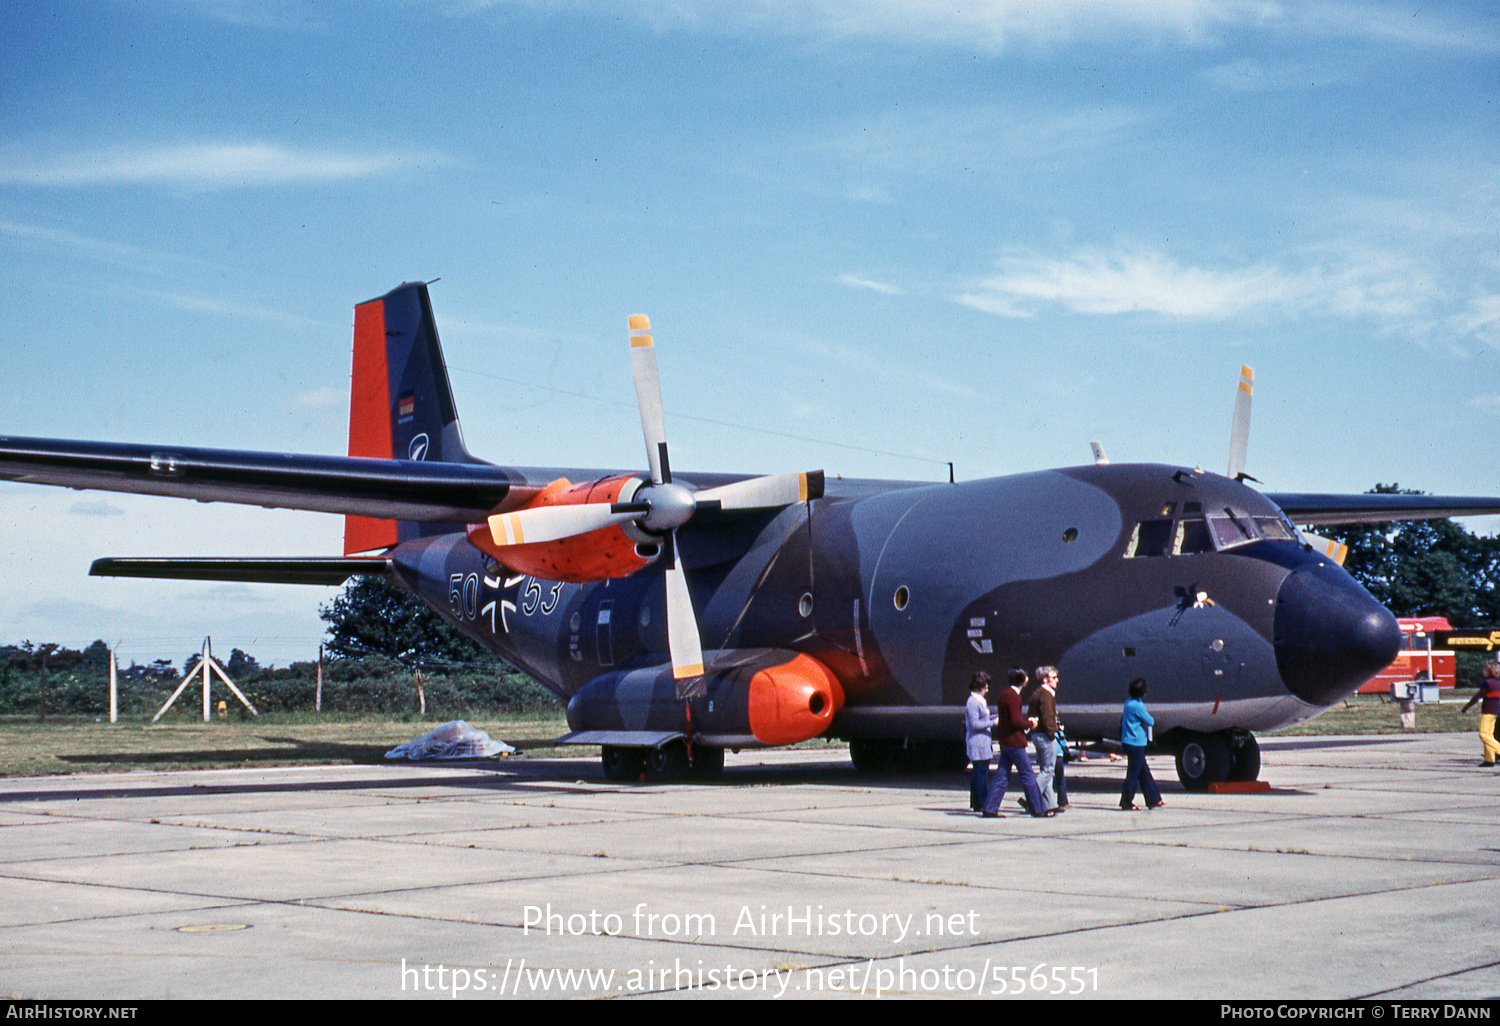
667 763
624 765
708 763
1246 759
1204 759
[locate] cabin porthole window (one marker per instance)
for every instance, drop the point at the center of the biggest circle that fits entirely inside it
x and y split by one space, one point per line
901 598
805 604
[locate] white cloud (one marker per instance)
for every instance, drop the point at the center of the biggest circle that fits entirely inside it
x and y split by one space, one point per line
1095 281
1481 319
204 166
226 308
993 25
321 400
1247 75
865 283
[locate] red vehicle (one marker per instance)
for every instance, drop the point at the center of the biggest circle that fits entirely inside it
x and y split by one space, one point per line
1417 657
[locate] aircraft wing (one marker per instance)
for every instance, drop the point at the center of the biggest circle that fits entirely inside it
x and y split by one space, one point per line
1318 509
427 492
396 489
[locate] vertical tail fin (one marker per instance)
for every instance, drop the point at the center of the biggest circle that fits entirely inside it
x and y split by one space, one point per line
400 404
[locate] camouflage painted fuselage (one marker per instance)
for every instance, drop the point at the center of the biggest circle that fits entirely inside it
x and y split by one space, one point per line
905 593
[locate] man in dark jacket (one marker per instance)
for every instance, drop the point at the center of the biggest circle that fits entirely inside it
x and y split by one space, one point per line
1044 711
1010 731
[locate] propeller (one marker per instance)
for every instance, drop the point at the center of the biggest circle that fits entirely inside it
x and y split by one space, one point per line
1239 430
658 506
1239 439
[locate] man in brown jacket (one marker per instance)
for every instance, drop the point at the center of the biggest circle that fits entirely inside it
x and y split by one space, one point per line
1044 735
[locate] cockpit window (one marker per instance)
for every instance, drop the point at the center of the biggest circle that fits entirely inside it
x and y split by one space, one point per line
1192 537
1190 534
1151 538
1230 530
1275 528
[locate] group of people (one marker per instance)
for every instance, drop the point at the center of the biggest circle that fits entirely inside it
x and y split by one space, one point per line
1045 788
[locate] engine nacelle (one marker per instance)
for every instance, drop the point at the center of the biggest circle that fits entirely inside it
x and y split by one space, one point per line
596 556
752 698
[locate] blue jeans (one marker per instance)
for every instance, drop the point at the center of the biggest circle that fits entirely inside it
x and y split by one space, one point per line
979 783
1018 759
1046 768
1137 772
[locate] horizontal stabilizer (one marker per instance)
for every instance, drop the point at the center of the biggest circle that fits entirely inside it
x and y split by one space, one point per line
308 570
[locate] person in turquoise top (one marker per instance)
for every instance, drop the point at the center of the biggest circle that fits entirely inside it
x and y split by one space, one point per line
1135 735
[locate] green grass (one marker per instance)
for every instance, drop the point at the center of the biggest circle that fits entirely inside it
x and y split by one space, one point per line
1373 714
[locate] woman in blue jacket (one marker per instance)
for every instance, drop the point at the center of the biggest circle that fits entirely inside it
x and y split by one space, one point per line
1135 724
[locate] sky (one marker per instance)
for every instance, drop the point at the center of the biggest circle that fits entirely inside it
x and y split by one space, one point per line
873 237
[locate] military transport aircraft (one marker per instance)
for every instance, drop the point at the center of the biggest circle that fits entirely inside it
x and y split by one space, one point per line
682 614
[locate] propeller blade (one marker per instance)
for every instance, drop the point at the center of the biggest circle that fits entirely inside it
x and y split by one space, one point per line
648 397
765 492
1239 430
682 623
551 523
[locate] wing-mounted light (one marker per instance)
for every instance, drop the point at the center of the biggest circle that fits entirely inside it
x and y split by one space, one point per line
559 531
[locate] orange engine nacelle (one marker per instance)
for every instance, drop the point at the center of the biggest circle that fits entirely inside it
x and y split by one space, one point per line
794 701
595 556
753 697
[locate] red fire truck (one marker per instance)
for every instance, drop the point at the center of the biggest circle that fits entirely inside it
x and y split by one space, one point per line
1417 657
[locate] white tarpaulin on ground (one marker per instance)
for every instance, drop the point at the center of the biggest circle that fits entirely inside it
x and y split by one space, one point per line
453 740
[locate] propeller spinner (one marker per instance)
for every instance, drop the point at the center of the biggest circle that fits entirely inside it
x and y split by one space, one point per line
658 506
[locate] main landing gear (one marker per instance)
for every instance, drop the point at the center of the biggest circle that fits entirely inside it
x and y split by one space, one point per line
1203 759
661 765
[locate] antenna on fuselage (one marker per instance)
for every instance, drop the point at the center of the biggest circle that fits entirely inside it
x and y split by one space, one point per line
1099 458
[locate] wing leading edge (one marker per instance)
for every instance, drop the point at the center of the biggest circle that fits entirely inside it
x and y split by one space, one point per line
1317 509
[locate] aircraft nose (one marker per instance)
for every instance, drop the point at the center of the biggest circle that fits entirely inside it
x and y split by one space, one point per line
1330 634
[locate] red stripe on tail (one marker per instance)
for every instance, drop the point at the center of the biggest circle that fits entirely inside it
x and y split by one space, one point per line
369 419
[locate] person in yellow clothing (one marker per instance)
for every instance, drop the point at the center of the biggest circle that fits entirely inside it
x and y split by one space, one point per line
1489 693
